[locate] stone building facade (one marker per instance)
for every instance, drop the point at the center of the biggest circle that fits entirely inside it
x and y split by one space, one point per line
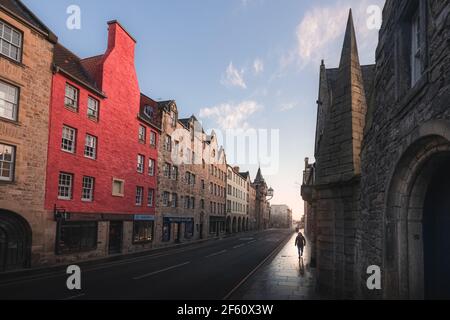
26 56
280 216
381 198
237 201
191 180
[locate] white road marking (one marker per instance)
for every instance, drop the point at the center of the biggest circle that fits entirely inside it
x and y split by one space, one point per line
160 271
239 246
216 254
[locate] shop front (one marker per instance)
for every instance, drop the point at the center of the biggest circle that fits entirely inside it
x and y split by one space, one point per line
177 229
216 226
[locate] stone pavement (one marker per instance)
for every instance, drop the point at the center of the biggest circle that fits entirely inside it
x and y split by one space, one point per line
286 277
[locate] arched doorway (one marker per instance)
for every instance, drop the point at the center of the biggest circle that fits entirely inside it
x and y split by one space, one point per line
229 225
417 220
239 225
15 241
436 233
246 225
234 225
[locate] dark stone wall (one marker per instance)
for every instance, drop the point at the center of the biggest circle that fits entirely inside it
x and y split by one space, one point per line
395 110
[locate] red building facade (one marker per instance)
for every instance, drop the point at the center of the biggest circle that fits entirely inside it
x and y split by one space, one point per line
102 154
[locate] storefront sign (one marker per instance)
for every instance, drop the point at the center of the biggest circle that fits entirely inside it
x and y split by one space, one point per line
144 217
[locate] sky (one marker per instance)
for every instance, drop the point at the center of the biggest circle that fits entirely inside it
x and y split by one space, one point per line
235 64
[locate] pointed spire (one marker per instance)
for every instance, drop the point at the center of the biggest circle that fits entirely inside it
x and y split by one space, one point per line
350 47
259 176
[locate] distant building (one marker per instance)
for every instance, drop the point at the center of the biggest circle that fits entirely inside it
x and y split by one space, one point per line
280 216
237 200
262 205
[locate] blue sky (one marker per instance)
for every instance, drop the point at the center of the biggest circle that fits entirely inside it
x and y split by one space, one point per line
256 61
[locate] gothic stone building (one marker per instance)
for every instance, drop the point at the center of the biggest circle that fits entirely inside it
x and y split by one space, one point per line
26 54
382 173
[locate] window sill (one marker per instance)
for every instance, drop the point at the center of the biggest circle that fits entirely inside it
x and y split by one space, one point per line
64 199
71 109
118 195
13 122
68 152
93 119
7 182
17 63
87 201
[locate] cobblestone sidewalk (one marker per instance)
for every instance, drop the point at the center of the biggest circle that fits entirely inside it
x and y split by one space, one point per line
286 277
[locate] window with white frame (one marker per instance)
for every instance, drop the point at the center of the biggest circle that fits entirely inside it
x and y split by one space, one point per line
150 197
166 170
11 42
90 147
139 195
87 191
65 186
165 199
167 143
71 97
92 109
9 96
153 139
151 167
7 160
68 139
148 111
174 201
140 163
175 173
141 135
416 50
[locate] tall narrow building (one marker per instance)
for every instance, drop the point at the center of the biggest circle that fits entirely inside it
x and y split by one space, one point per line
25 88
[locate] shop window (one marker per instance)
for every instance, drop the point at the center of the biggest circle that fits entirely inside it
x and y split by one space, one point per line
142 231
76 236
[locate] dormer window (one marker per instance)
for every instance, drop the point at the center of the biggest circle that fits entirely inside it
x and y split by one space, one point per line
173 118
148 111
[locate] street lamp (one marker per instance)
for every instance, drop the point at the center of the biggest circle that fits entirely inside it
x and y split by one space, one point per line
270 194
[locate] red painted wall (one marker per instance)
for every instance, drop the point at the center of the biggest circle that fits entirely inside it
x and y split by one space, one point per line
116 132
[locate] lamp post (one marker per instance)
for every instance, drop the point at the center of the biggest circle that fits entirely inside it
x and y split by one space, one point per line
270 193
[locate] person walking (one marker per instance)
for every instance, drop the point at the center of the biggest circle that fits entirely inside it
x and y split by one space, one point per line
300 243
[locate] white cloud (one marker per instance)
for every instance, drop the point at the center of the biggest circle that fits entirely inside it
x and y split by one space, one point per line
320 33
258 66
231 115
234 77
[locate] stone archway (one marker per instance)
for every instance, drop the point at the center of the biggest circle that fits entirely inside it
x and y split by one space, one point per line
239 225
234 225
15 241
228 226
411 215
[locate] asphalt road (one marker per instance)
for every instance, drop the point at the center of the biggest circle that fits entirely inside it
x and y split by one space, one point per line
207 271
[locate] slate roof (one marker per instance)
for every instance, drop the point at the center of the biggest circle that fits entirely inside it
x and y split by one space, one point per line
71 64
